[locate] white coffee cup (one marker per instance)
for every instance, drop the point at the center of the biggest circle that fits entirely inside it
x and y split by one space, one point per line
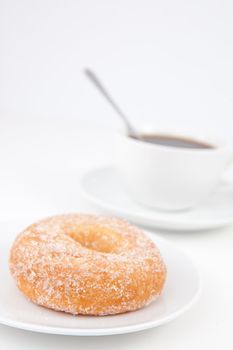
167 177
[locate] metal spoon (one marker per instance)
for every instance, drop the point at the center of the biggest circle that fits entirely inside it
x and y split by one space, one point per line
130 129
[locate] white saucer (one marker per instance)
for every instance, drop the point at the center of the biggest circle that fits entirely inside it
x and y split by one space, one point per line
102 188
181 290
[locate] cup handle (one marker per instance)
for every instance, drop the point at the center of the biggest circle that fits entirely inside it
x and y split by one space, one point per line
227 178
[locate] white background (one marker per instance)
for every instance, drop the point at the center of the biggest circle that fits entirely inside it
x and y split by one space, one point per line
169 63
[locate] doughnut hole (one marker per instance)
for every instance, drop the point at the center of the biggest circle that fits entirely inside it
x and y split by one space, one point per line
98 238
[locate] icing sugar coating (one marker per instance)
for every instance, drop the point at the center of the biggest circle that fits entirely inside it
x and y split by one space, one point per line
86 264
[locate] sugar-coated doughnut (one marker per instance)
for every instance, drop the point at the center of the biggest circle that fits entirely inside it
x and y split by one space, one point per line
86 264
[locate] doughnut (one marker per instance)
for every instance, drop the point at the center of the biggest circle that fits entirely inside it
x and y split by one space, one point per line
87 264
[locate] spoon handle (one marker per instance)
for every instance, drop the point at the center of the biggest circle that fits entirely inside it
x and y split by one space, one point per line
92 76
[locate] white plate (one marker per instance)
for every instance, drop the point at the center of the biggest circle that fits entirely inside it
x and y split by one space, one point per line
101 187
181 290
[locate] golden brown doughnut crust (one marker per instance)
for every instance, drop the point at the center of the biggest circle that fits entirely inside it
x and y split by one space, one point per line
86 264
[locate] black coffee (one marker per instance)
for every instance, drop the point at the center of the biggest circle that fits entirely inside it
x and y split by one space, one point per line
174 141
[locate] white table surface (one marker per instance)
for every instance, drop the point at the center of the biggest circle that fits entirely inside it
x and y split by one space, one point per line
39 175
